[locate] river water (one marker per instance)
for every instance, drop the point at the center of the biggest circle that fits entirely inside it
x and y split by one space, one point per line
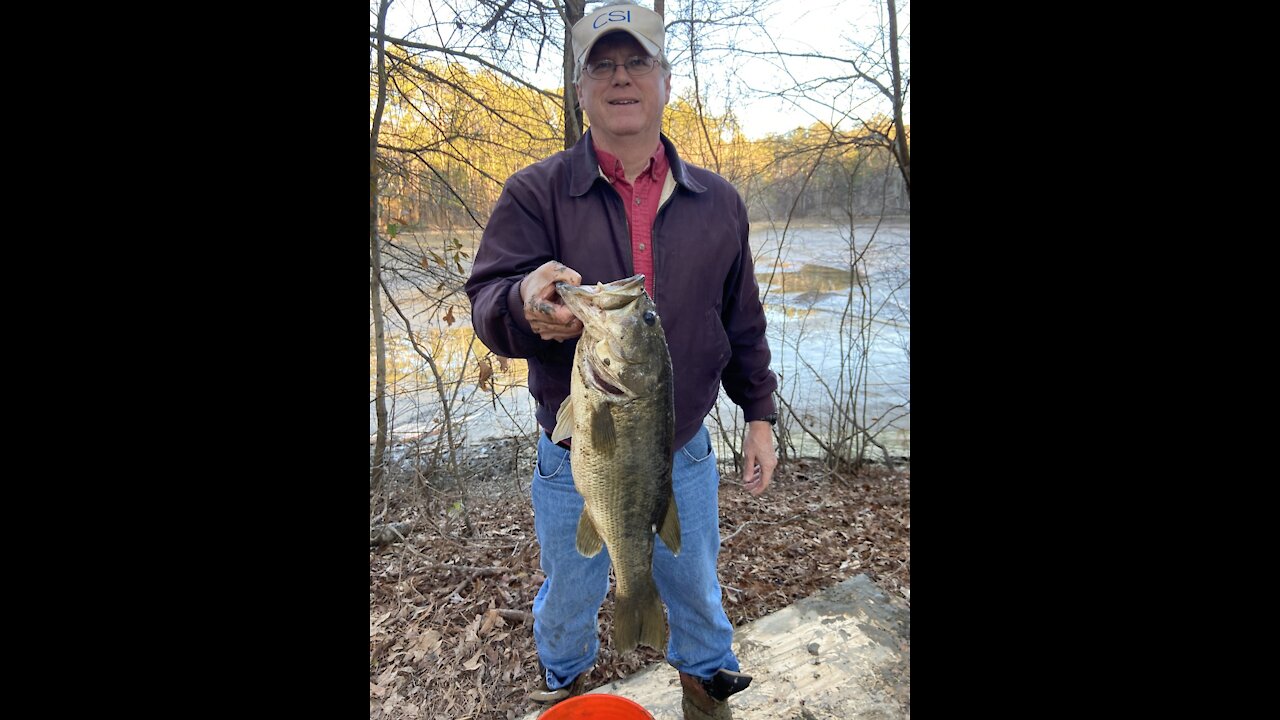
838 305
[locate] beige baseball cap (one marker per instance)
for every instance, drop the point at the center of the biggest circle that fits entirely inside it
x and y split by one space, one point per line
644 25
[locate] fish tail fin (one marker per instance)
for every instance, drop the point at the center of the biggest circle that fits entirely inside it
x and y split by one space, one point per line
638 619
669 531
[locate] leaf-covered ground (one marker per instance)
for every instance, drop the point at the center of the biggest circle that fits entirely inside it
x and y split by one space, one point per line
450 629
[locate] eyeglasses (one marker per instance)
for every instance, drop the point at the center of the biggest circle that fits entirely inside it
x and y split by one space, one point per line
635 65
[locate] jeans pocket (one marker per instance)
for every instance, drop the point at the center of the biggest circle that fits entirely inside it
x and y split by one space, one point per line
699 448
551 460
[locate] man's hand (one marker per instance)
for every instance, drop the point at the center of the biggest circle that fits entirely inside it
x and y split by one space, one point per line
759 457
546 314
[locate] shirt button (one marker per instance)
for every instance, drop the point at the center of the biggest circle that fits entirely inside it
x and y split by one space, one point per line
642 246
637 201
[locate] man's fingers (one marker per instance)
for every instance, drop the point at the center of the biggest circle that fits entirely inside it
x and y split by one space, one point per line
758 480
557 272
759 456
553 327
541 283
558 334
548 292
547 304
547 314
566 274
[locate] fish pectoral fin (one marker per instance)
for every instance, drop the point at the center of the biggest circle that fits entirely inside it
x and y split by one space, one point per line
603 435
564 420
588 541
670 529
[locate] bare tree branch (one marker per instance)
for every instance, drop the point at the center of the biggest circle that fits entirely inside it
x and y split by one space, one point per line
474 58
496 16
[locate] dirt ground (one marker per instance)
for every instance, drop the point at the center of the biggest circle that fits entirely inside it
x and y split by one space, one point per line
450 623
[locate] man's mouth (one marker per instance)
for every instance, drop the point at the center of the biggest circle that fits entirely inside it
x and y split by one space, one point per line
623 102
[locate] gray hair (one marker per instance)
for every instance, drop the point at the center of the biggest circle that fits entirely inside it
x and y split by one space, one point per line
577 65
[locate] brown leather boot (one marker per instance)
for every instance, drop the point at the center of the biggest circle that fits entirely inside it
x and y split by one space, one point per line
707 699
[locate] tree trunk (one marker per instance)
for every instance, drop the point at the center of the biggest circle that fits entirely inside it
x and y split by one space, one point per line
574 10
375 256
900 141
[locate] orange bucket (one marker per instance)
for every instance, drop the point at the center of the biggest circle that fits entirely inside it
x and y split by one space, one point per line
597 706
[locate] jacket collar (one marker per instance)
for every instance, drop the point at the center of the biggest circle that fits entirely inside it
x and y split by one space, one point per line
585 167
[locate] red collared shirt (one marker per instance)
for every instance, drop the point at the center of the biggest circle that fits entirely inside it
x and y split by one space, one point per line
641 202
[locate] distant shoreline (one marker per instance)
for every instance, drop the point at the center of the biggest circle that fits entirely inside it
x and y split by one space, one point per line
797 223
819 222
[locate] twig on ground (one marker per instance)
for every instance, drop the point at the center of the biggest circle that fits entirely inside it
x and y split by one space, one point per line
389 533
760 522
515 615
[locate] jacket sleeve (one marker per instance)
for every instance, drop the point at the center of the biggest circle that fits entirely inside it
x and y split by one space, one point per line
514 244
747 379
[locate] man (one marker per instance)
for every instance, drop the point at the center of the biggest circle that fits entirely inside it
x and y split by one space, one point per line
622 202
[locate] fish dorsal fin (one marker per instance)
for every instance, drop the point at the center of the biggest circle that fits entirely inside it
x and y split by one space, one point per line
564 420
669 531
588 541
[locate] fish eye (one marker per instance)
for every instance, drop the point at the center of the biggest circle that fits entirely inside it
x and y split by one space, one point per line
649 317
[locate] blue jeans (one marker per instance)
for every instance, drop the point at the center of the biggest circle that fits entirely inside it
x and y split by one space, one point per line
565 612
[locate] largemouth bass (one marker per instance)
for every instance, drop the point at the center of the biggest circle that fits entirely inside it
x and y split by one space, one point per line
621 416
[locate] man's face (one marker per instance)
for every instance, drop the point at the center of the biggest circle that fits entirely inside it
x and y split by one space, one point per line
621 105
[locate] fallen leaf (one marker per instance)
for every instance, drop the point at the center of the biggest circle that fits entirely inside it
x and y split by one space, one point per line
490 618
377 690
474 662
428 641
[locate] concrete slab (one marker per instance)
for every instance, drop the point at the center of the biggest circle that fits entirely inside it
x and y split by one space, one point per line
841 654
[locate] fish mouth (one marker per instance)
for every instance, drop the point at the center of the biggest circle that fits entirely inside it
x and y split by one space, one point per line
592 304
584 300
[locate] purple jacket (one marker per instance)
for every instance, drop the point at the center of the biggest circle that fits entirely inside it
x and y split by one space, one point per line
563 209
